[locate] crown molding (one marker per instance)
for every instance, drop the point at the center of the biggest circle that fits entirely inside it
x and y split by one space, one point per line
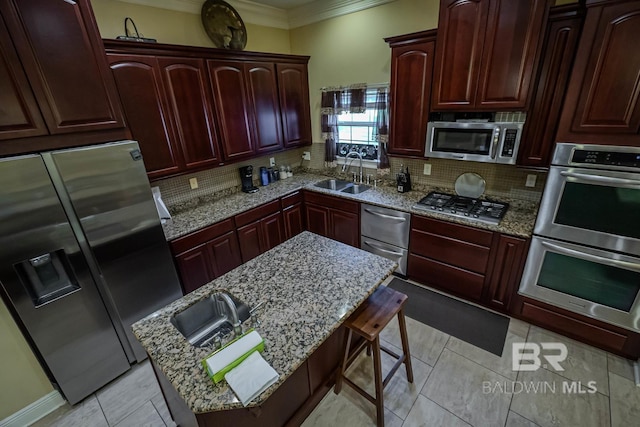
250 12
268 16
320 10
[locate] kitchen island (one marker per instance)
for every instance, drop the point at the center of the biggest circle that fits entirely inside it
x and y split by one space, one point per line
307 287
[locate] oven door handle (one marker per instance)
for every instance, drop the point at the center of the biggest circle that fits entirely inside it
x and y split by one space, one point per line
397 218
594 258
371 244
598 178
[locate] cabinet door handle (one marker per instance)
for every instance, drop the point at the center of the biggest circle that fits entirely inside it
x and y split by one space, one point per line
600 179
397 218
374 246
592 258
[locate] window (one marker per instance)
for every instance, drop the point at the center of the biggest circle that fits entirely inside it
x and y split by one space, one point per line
359 128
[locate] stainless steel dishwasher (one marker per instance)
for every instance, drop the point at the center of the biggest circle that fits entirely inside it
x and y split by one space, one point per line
385 232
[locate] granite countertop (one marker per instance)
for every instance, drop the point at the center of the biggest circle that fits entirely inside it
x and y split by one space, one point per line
518 221
308 286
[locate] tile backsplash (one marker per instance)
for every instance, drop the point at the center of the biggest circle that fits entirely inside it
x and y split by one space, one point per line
177 190
501 180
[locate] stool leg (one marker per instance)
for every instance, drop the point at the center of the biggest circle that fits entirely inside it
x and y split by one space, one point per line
377 374
405 345
369 349
343 364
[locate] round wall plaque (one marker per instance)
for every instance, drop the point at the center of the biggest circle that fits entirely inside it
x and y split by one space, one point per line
223 25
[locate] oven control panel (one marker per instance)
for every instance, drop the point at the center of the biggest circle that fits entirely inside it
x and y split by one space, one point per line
606 158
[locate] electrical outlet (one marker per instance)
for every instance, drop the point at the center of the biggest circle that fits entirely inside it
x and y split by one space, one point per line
193 182
427 169
272 161
531 181
306 155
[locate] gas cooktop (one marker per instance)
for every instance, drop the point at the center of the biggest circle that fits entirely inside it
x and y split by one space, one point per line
463 207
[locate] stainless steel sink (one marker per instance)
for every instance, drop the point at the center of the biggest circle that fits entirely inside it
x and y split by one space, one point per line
202 321
356 189
332 184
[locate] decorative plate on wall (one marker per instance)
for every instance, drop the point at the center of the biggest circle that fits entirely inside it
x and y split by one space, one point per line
223 25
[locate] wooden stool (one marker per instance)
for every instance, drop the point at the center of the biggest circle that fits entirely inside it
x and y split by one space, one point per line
368 321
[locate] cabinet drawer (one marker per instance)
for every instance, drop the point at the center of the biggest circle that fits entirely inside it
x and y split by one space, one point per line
574 327
446 277
455 231
198 237
450 250
332 202
257 213
291 199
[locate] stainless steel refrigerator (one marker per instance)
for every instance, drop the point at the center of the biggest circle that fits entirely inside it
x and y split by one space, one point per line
82 257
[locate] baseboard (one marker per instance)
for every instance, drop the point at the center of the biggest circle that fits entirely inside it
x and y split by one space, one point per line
33 412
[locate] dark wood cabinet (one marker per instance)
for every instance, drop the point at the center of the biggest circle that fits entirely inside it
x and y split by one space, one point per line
246 96
185 82
539 133
262 88
594 332
410 92
147 111
20 115
449 256
208 107
293 88
333 217
55 79
260 229
293 214
602 104
228 83
486 51
206 254
509 254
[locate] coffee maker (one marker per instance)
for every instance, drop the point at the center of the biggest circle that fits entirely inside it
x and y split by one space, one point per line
246 176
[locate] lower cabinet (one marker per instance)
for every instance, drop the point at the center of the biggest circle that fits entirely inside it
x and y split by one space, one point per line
611 338
260 229
289 405
293 214
509 254
449 256
475 264
333 217
206 254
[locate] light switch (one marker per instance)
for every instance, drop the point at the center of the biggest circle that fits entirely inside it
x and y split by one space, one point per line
193 182
427 169
306 155
531 181
272 161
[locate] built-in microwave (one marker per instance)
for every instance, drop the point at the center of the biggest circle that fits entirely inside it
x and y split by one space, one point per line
490 142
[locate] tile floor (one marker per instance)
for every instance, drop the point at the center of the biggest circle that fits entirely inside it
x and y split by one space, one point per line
455 384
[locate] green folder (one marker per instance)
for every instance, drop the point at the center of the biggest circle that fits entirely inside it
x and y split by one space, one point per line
219 376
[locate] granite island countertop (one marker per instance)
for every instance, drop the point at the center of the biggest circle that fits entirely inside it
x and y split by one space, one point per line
308 286
518 221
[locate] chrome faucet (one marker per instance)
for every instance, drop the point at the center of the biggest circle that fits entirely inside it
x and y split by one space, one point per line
345 166
232 311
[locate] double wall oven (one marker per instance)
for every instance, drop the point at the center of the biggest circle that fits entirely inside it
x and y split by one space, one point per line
585 252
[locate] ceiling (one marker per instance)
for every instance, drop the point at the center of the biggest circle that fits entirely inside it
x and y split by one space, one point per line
284 14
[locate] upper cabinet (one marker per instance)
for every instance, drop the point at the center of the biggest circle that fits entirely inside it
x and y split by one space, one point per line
602 105
485 53
293 86
147 110
539 133
55 76
410 92
194 108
